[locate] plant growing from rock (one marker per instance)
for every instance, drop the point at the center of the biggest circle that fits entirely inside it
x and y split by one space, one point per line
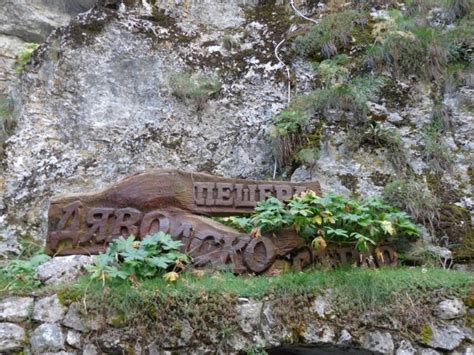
334 218
195 88
415 198
127 258
20 273
24 56
327 38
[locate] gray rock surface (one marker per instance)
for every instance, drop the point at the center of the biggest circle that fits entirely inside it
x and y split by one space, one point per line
344 338
405 348
74 339
49 310
47 337
73 319
90 349
249 315
446 337
12 337
314 334
34 20
450 309
378 341
16 309
62 269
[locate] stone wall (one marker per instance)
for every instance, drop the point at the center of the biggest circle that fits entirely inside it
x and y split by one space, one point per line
43 325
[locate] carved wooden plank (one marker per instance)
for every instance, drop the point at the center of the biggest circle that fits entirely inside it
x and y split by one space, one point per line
177 203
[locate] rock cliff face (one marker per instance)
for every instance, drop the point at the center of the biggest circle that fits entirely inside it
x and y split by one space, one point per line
100 99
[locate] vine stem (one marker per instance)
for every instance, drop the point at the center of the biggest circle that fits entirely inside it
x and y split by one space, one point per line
295 9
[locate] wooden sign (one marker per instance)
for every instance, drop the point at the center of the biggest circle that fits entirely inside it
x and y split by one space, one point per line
178 203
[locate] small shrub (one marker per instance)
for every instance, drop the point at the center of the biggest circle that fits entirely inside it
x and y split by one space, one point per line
287 135
332 71
242 224
460 8
330 36
334 218
436 151
20 272
24 56
196 88
415 198
404 46
380 136
130 259
6 106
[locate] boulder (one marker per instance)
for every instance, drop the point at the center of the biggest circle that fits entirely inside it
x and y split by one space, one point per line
405 348
74 320
49 310
446 337
62 269
344 338
249 315
378 342
47 337
314 333
12 337
450 309
74 339
16 309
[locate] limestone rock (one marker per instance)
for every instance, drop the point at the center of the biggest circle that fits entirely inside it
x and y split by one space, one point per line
322 305
16 309
378 341
446 337
186 333
450 309
74 339
73 319
33 20
315 334
62 269
248 315
12 337
405 348
47 337
344 338
426 351
49 310
301 174
90 349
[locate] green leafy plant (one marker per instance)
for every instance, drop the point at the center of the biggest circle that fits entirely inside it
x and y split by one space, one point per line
19 273
195 88
127 258
406 48
331 35
270 215
334 218
240 223
24 56
415 198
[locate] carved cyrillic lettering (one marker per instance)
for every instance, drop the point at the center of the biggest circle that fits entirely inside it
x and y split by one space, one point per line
204 193
224 194
68 226
153 222
259 254
98 220
299 189
245 197
266 191
126 222
283 192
